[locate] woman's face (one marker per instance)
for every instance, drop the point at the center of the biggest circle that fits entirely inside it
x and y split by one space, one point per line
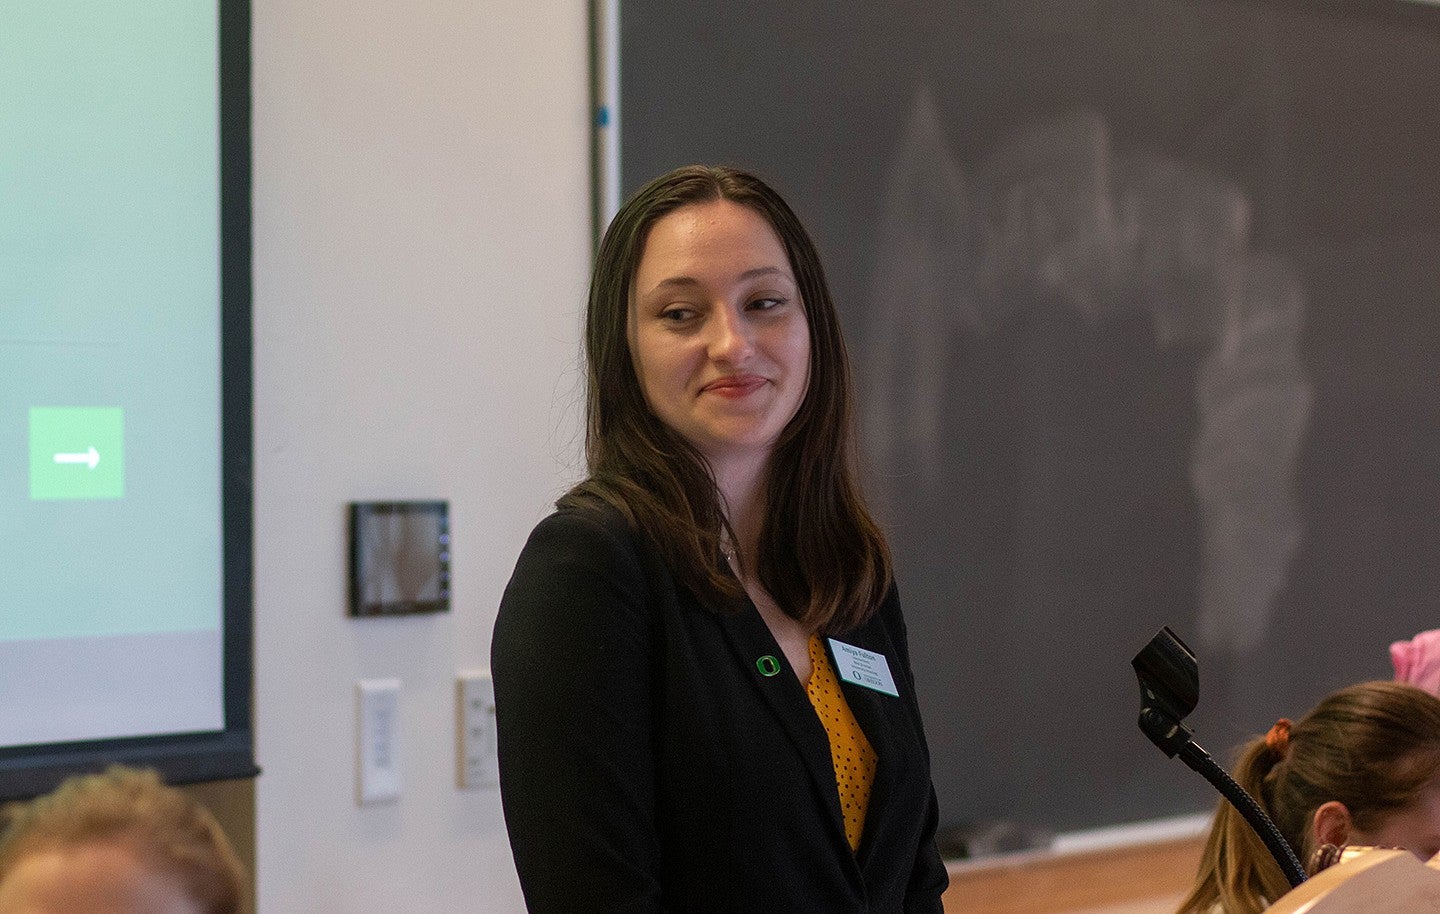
718 332
1416 827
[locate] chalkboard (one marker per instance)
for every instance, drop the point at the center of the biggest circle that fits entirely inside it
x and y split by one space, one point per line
1143 298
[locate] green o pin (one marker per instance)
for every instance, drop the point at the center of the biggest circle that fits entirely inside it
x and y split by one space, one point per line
767 665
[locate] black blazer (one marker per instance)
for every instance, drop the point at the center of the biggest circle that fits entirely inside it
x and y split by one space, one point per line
647 764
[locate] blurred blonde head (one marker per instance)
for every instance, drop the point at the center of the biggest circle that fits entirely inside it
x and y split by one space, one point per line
119 842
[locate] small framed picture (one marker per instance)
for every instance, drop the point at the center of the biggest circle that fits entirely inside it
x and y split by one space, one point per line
399 557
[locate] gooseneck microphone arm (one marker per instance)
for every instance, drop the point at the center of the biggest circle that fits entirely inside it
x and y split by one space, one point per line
1200 762
1169 690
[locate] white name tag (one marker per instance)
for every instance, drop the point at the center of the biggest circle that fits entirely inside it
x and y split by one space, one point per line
863 668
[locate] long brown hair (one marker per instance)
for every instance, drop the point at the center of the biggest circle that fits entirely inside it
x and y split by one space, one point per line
821 555
1371 746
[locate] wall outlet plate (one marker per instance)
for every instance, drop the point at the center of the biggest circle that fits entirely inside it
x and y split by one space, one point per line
477 758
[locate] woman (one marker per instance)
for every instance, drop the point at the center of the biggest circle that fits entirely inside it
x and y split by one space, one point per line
117 843
1362 768
702 682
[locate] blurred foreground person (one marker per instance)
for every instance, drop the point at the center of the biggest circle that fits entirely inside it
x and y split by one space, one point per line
117 843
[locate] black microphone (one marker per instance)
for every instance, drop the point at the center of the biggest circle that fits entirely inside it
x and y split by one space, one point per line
1169 690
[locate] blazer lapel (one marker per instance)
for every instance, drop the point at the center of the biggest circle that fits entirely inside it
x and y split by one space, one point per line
876 722
750 640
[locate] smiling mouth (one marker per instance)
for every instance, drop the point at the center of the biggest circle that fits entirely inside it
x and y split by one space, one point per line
734 386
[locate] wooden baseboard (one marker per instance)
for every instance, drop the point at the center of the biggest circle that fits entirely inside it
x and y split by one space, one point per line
1049 883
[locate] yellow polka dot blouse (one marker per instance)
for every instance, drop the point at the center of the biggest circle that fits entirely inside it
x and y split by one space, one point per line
850 751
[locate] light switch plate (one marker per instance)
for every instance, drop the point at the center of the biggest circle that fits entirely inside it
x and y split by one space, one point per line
378 728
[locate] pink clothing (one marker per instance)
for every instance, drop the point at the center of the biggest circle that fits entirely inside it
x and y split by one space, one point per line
1417 661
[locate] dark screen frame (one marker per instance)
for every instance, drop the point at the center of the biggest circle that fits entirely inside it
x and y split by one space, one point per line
190 758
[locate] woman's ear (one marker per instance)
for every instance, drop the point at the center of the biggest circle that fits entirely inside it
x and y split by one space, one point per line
1331 824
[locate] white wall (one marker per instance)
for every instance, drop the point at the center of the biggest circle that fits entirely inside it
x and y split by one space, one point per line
421 246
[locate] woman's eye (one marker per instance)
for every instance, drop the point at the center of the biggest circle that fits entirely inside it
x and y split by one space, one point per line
676 315
766 304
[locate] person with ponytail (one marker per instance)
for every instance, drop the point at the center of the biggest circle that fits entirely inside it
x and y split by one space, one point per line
1362 768
702 683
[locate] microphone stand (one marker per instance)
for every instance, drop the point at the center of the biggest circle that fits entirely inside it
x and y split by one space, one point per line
1169 689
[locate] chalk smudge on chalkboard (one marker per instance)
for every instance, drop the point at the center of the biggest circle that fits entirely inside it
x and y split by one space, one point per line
1052 213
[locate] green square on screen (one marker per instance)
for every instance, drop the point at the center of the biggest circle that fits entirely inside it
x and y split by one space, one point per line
77 452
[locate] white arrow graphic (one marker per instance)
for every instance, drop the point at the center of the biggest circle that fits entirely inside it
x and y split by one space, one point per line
90 457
